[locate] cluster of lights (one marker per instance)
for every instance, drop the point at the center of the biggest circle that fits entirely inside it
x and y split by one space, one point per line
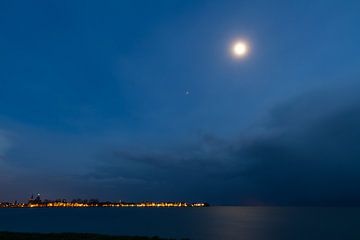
38 203
106 204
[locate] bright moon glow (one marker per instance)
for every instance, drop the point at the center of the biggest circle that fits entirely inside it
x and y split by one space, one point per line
240 49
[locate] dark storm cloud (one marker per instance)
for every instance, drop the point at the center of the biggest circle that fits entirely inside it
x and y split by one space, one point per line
308 162
306 152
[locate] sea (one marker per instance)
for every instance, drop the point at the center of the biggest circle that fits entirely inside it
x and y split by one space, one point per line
220 223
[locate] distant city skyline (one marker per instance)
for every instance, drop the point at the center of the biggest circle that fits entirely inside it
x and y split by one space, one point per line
37 202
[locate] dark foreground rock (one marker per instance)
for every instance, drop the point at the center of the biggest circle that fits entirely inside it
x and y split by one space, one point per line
67 236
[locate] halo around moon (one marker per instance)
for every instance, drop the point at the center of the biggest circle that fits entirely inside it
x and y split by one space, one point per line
240 49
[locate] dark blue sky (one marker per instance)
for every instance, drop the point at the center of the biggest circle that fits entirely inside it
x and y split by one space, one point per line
93 101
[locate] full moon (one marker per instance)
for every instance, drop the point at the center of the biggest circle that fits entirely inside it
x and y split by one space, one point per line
240 49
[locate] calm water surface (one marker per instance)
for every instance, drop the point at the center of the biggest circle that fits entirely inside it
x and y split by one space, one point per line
244 223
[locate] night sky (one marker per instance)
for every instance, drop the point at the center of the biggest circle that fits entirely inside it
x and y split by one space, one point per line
142 100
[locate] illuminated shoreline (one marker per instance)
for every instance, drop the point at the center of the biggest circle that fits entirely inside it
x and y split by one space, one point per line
78 203
105 205
112 205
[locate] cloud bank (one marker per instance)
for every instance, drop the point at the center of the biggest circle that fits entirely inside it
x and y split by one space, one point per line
305 152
